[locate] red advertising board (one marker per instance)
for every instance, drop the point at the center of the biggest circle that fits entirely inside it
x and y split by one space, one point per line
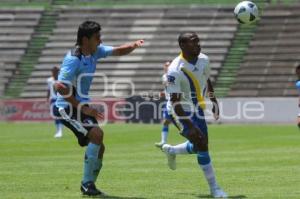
39 109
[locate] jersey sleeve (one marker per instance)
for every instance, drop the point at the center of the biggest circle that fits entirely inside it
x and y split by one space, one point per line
69 70
103 51
298 84
173 82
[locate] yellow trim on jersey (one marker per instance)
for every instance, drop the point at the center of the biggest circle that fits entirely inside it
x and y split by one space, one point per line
200 98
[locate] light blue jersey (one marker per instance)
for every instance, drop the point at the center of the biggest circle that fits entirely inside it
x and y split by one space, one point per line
298 86
77 70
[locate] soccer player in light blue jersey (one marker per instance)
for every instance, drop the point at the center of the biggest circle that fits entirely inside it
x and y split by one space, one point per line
73 85
188 82
298 88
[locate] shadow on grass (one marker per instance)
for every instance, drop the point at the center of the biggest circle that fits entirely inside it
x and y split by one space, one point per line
209 196
114 197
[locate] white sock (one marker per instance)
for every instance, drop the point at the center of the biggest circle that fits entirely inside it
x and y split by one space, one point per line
59 128
179 149
209 173
164 136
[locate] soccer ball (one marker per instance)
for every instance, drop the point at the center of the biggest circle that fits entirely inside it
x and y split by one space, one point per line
246 12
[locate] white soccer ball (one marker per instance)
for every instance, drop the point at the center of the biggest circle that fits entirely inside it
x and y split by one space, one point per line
246 12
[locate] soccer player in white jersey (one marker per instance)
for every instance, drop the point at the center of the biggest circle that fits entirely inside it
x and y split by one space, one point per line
166 116
51 98
298 88
188 80
74 81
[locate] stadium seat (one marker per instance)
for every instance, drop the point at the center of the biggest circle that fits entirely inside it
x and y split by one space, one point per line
16 28
158 26
269 64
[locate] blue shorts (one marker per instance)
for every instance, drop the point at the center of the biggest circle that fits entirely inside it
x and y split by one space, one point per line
165 113
52 101
198 121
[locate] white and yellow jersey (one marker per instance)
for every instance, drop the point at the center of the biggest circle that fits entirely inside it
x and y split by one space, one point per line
189 80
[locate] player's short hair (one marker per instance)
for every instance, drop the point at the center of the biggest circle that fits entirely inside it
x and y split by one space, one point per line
184 37
87 29
298 67
55 68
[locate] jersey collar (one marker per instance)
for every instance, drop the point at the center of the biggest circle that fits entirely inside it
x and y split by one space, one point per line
194 65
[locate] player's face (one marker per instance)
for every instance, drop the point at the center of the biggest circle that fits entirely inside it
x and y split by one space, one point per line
94 41
192 46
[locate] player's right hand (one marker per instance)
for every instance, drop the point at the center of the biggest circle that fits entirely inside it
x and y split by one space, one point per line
138 43
92 112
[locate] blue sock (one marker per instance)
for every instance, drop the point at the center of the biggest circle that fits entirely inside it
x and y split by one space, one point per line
164 133
203 158
165 128
190 148
90 161
97 169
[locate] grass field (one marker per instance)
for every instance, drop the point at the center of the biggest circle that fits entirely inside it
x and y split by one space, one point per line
250 162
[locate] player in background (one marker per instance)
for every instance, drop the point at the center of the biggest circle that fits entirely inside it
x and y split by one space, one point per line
51 98
166 116
73 85
298 88
188 80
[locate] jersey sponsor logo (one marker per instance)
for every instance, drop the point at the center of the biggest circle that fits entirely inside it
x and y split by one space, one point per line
171 79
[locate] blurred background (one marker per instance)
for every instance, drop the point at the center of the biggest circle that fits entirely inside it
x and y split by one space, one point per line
253 66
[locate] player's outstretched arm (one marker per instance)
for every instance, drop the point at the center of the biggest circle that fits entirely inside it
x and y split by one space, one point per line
125 49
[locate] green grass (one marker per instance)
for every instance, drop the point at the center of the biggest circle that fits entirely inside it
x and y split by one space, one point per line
251 161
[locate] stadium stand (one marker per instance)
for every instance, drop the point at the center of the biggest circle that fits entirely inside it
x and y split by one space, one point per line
16 29
159 26
3 79
268 69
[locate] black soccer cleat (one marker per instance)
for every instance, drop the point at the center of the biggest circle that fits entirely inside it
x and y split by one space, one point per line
89 189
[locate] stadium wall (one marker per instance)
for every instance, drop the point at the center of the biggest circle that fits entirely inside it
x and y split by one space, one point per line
141 110
257 110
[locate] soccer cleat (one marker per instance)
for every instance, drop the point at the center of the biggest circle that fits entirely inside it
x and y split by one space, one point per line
217 192
58 134
89 189
171 157
159 144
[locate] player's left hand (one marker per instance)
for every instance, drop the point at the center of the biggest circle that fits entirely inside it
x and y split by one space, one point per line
138 43
92 112
216 110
